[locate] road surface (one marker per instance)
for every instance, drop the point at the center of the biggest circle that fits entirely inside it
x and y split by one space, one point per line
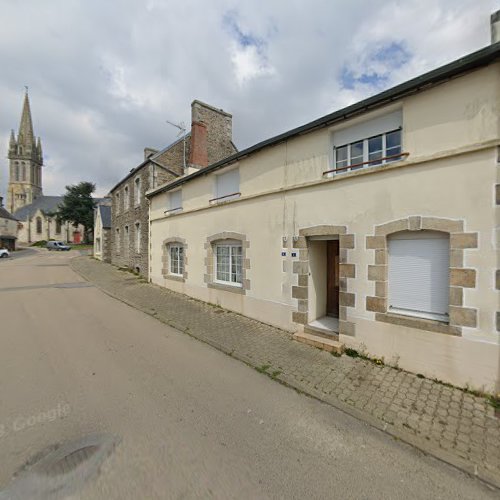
192 422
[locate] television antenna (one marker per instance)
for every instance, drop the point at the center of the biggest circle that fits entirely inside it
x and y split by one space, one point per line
182 131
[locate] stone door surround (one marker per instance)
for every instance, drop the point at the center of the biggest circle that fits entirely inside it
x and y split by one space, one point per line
346 270
460 277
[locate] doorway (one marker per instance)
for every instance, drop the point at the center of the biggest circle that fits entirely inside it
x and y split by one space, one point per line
332 278
323 283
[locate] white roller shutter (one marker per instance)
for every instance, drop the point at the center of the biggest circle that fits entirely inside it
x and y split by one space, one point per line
419 274
175 198
370 128
228 183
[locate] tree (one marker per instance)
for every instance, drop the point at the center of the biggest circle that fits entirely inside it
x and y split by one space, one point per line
78 206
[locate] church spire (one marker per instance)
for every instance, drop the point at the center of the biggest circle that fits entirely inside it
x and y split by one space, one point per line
39 150
12 142
26 137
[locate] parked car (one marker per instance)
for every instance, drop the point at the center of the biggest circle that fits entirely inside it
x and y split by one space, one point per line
4 253
57 245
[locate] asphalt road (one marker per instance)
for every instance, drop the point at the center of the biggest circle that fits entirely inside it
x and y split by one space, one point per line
193 422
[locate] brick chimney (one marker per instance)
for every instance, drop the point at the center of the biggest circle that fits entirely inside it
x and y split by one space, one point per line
198 154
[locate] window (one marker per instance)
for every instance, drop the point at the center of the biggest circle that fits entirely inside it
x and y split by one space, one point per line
419 274
382 148
98 245
367 143
17 171
227 185
126 198
228 262
118 242
137 237
24 172
58 226
175 200
117 198
137 191
176 252
39 225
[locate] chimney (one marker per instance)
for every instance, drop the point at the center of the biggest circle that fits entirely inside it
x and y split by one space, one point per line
148 152
198 154
495 27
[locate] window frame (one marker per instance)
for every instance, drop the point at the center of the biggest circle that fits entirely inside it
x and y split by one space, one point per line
126 198
137 237
231 244
172 209
218 197
137 191
366 163
180 259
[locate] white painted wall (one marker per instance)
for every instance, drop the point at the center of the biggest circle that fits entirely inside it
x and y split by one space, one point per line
451 133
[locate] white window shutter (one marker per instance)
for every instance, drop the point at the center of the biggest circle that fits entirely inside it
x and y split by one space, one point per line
419 273
227 183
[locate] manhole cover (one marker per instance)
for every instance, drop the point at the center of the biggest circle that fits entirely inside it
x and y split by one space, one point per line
60 470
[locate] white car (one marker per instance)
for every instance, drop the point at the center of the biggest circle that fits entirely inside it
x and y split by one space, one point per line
4 253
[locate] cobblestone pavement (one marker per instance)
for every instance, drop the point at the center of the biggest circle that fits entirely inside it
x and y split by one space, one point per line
449 423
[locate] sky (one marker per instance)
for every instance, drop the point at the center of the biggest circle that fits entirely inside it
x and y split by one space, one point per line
105 76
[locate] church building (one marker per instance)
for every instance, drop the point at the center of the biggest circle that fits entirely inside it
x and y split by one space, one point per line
25 199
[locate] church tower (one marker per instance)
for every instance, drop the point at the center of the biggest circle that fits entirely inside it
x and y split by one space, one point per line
25 163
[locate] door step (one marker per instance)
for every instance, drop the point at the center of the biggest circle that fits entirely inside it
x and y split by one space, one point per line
321 332
327 344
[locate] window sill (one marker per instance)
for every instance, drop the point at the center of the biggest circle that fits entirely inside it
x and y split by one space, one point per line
369 168
430 325
440 318
224 199
173 211
175 277
228 288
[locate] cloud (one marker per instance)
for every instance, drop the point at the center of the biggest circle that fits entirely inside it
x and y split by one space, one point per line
105 76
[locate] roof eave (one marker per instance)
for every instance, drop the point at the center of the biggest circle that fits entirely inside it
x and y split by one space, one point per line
462 65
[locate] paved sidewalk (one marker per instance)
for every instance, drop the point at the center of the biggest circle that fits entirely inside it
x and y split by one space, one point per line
448 423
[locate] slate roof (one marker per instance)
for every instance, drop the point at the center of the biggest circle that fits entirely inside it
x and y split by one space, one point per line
482 57
5 214
46 204
153 158
105 211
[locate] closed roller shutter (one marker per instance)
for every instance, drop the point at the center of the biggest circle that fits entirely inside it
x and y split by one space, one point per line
227 183
419 274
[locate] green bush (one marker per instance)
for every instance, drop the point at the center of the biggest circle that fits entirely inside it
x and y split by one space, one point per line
41 243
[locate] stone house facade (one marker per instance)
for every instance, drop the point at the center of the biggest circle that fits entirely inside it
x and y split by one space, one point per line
102 231
376 227
209 140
